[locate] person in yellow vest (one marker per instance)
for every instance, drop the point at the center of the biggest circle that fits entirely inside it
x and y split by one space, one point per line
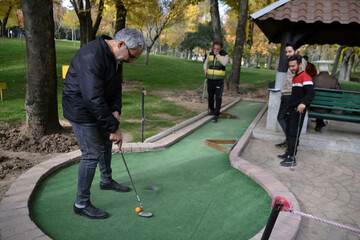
214 68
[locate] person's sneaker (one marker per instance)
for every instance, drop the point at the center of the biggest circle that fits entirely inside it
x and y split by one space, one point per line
289 161
318 128
282 145
114 186
210 113
283 156
91 212
214 119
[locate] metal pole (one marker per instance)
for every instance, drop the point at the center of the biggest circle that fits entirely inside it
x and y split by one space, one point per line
272 219
142 115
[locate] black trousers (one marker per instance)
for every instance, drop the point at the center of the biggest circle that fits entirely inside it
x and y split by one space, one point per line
293 128
283 114
215 89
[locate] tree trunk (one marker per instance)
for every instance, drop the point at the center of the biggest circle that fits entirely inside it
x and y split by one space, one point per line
83 11
277 62
345 63
215 21
270 57
356 63
4 22
120 15
41 93
239 47
336 62
85 28
148 49
348 72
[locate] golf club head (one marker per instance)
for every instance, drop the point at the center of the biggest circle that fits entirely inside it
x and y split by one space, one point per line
145 214
292 168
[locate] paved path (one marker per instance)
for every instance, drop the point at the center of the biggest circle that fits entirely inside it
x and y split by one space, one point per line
326 183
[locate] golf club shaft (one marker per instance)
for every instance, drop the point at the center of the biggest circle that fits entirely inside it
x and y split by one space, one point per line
203 96
296 141
132 182
297 134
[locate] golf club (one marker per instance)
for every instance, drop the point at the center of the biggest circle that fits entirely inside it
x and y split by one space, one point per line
296 142
204 90
142 214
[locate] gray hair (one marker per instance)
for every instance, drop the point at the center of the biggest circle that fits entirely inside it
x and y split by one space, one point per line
133 38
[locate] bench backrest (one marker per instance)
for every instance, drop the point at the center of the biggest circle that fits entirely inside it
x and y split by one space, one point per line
344 100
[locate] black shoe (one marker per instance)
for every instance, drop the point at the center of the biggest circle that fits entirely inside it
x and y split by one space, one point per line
289 161
114 186
214 119
91 212
318 128
282 145
210 113
283 156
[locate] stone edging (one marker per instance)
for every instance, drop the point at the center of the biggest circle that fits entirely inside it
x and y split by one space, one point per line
15 221
287 224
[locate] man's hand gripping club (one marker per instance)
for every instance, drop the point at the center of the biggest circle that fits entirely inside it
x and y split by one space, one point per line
116 137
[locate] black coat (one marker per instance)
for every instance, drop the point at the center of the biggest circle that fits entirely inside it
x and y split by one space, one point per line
92 87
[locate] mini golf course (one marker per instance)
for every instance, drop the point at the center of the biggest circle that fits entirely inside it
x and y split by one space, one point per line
199 196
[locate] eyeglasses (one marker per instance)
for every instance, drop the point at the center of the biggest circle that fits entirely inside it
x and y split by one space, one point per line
132 57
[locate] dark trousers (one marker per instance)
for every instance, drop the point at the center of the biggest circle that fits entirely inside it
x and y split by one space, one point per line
293 129
283 115
95 147
215 89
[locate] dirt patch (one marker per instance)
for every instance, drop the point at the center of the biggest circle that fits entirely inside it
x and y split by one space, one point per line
19 153
188 98
130 85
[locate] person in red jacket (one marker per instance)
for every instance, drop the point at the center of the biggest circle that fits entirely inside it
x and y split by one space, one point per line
310 68
301 96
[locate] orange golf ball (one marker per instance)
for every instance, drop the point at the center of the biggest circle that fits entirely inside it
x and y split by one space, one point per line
137 209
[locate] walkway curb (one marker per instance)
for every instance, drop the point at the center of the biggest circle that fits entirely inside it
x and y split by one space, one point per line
15 221
287 224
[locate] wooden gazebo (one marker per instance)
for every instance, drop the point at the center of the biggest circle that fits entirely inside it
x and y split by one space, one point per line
306 22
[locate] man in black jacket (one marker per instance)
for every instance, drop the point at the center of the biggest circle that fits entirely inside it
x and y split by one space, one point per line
92 103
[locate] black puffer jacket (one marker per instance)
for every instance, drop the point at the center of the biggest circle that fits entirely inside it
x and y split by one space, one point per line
92 87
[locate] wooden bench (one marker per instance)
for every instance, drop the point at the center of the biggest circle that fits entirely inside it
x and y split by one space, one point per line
343 105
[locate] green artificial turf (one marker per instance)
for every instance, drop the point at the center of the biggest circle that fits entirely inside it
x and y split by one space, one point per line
200 195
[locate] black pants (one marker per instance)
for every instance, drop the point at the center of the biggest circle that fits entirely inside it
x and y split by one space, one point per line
283 115
215 89
293 128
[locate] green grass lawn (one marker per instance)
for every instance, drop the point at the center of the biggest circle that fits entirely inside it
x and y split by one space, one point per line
163 73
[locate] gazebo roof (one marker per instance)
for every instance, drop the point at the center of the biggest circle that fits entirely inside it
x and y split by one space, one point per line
321 22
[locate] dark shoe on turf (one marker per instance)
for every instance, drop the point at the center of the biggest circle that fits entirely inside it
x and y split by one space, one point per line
282 145
289 161
91 212
214 119
114 186
283 156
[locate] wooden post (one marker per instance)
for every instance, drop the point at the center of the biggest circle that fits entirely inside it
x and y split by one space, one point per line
2 87
65 68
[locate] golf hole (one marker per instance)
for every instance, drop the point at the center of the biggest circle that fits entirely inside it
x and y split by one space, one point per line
152 188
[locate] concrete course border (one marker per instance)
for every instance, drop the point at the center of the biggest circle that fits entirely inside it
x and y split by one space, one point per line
16 224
